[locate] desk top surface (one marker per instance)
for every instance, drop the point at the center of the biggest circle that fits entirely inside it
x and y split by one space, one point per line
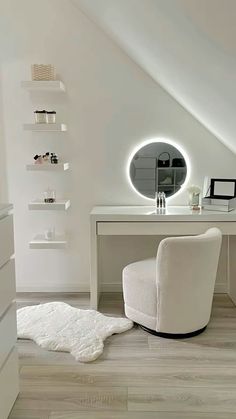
150 213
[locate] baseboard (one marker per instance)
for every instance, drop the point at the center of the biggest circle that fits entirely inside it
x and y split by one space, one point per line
111 287
84 287
54 288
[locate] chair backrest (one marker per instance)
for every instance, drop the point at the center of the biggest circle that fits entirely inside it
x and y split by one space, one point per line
186 274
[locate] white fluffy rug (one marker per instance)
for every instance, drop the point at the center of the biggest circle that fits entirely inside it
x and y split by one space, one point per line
60 327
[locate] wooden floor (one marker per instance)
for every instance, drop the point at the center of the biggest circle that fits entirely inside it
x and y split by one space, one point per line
139 376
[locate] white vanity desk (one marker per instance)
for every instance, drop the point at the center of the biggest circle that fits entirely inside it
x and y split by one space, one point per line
143 220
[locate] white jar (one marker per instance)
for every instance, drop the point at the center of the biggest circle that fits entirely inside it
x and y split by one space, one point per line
51 117
40 117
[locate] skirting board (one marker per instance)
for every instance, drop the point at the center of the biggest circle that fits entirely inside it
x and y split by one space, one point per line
220 288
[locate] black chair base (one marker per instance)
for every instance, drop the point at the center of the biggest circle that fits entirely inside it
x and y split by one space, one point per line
173 335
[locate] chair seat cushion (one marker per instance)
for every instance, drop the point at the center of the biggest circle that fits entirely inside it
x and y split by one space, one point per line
139 286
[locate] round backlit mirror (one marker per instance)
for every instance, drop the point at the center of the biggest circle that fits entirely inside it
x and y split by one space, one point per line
158 167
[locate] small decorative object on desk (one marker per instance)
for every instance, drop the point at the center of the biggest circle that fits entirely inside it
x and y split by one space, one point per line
51 117
160 198
194 197
220 195
49 196
40 117
43 72
49 234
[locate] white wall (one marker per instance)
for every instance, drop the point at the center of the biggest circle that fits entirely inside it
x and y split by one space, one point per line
110 106
188 46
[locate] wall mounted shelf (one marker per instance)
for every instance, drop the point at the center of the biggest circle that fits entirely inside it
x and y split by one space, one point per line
45 127
60 167
39 242
44 86
60 205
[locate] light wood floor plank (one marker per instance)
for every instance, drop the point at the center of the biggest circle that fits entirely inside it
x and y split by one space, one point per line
211 338
72 398
172 399
29 414
100 376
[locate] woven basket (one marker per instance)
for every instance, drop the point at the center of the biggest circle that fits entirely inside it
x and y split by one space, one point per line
43 72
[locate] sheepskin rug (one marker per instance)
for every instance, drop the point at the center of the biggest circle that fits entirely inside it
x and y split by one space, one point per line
59 327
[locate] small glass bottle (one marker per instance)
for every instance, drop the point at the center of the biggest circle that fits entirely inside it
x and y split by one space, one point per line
49 196
50 234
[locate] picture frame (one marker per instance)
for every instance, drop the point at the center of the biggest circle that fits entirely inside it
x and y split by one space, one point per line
223 188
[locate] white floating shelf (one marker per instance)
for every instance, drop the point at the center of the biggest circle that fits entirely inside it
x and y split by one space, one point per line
45 127
59 167
61 205
39 242
44 85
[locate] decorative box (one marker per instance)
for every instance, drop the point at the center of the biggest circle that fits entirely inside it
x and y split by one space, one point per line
222 195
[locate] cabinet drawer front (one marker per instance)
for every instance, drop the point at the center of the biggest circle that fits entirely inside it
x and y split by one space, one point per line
7 285
7 333
9 385
6 239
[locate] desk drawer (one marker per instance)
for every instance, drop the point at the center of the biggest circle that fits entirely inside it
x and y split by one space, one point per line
9 385
7 285
6 239
7 333
161 228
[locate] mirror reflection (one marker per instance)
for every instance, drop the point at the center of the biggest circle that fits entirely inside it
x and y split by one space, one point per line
158 167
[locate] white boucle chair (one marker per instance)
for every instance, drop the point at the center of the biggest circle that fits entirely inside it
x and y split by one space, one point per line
171 295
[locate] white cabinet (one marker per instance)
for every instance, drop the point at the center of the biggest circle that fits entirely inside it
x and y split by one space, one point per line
9 385
6 239
7 285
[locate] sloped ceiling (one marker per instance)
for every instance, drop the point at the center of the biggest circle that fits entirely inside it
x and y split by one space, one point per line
187 46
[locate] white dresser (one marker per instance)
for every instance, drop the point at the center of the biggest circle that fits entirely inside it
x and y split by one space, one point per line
9 385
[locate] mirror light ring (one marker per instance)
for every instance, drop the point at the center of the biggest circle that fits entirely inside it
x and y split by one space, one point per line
158 140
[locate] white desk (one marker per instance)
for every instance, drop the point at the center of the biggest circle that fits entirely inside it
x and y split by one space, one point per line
143 220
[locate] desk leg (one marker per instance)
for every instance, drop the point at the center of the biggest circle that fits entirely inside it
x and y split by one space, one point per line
94 286
232 268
